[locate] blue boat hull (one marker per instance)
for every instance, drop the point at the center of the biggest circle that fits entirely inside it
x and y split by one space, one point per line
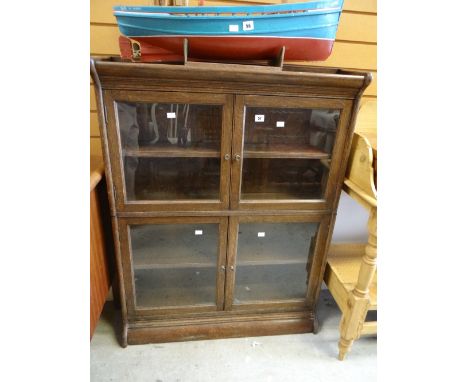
307 30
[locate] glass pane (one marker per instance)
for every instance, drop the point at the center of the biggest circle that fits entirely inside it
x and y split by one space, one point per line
172 178
174 264
170 151
273 261
264 178
287 152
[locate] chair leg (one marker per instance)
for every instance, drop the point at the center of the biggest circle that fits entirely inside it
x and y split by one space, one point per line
346 334
351 323
358 301
344 347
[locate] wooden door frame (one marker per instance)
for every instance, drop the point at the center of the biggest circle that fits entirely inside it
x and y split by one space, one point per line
116 158
128 272
318 256
243 101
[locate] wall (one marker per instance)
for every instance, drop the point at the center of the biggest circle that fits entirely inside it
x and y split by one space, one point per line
355 48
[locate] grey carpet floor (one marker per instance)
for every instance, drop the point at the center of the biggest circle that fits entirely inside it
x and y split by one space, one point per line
298 357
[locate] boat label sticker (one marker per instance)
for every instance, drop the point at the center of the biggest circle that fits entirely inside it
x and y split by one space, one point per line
234 28
279 123
248 25
170 115
259 118
198 232
261 234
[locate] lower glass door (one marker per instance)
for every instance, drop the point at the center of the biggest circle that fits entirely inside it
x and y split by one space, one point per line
270 260
175 263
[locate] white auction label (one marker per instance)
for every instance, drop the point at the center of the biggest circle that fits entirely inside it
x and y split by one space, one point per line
248 25
279 123
170 115
233 28
261 234
198 232
259 118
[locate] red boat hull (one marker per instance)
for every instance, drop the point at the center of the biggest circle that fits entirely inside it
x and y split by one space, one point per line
171 48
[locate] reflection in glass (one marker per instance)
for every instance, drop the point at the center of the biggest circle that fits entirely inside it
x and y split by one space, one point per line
174 264
273 261
291 128
167 147
287 152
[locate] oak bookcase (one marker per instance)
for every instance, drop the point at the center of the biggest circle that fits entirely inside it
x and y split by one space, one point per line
223 184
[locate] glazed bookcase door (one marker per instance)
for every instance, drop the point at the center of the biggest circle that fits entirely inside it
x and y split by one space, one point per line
169 151
287 151
173 265
274 261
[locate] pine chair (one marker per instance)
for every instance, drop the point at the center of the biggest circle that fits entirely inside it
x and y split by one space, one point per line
350 273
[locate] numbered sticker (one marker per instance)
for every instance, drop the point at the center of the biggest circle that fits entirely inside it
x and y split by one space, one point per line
279 123
198 232
261 234
233 28
259 118
248 25
170 115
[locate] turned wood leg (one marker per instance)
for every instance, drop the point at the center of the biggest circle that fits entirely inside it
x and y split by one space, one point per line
369 260
344 347
358 301
351 323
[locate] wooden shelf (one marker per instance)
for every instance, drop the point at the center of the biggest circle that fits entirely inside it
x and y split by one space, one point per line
187 264
199 260
283 151
257 284
250 151
274 196
274 191
175 287
176 195
272 262
173 151
184 260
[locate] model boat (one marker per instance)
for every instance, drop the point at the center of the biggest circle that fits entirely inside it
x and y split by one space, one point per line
305 30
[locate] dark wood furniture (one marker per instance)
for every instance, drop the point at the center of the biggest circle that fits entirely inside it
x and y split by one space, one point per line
223 187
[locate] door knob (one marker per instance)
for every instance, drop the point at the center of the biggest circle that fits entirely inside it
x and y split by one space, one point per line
237 157
227 157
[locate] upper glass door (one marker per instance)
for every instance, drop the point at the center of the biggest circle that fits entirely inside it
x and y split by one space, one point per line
173 149
284 148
